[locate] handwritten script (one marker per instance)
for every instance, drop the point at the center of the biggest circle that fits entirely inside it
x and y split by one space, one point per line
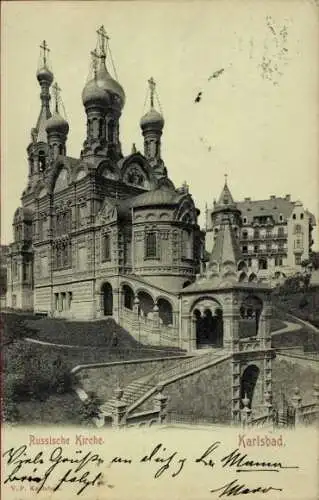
86 469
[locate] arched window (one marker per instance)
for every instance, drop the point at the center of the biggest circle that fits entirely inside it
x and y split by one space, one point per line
245 235
106 247
151 245
187 245
41 161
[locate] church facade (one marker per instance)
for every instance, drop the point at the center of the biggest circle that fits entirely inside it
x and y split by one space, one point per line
96 232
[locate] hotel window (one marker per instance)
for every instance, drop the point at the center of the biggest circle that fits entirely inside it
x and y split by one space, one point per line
301 216
106 247
256 248
151 245
281 218
280 231
245 249
245 220
297 260
297 229
294 216
245 235
256 233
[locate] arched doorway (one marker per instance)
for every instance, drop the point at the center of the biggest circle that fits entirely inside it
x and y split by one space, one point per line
107 295
165 311
248 383
146 303
208 319
128 297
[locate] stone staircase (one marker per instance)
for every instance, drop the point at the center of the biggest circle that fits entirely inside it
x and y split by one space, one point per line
138 391
131 393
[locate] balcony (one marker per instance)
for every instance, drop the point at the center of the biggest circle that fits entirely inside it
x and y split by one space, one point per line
299 250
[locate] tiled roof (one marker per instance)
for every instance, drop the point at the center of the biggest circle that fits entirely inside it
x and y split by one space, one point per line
226 248
272 207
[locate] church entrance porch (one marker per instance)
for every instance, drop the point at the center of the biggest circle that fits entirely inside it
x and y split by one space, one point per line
107 299
208 323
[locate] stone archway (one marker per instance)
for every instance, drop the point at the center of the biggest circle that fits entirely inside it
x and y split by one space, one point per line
208 319
128 297
146 303
165 311
107 299
250 312
248 383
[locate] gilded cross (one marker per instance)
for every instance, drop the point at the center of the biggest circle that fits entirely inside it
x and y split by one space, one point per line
152 86
102 38
45 50
56 93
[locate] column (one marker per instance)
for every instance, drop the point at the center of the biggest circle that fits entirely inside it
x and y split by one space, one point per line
235 416
156 330
118 410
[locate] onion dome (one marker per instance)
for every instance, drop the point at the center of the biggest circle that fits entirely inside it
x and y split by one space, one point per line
45 75
152 119
103 90
94 94
57 124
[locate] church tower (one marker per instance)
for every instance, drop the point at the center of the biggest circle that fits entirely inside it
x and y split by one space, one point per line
57 129
152 124
225 209
38 148
103 99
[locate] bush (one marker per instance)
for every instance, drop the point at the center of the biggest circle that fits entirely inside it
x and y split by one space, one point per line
31 373
90 409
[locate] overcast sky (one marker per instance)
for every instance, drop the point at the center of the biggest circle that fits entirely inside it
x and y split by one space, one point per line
257 121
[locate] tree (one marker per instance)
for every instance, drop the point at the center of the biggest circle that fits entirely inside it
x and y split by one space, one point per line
314 260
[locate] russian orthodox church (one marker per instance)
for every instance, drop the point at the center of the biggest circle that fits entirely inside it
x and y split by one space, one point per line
104 229
108 235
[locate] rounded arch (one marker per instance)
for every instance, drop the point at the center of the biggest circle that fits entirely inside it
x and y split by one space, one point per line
250 312
185 212
207 315
242 266
107 298
146 302
165 311
135 172
248 383
252 278
243 276
204 301
128 296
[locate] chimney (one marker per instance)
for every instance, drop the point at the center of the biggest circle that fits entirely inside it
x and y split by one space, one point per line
247 199
287 197
272 197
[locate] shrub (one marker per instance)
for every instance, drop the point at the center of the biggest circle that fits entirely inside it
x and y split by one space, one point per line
90 409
